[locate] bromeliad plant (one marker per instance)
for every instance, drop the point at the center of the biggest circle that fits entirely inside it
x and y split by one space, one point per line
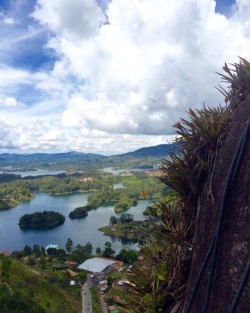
239 79
199 139
185 173
168 253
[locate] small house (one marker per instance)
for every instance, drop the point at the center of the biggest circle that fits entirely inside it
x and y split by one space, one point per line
71 264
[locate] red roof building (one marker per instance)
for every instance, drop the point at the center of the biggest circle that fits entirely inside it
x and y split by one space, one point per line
71 264
5 252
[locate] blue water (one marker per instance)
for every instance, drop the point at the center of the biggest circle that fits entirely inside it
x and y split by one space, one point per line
35 173
79 230
124 170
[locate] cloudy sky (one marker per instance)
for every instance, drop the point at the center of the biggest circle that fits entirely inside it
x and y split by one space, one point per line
111 76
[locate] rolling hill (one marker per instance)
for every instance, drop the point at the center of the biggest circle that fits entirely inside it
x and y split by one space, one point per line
146 157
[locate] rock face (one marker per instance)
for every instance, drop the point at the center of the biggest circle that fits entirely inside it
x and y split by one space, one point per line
234 243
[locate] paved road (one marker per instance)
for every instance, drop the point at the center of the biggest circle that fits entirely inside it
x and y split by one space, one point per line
86 296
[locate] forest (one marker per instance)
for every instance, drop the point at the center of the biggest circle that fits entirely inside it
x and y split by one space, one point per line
136 186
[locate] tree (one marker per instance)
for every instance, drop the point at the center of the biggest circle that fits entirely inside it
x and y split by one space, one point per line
88 248
27 250
36 250
79 254
127 255
98 251
108 244
110 281
52 251
69 245
113 220
43 252
61 254
17 254
108 251
126 218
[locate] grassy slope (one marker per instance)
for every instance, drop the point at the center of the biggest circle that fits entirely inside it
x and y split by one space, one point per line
96 306
34 291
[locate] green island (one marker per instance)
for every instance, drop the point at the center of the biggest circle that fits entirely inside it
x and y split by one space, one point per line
135 230
80 211
12 194
45 219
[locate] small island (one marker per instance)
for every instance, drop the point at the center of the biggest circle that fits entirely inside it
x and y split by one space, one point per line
80 212
124 204
45 219
136 230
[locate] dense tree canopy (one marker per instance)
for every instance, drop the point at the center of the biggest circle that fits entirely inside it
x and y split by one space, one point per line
80 211
41 219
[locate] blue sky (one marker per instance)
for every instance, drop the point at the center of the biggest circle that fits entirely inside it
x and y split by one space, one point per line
110 76
224 6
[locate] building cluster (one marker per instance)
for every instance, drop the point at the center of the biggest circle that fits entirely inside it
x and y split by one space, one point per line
101 267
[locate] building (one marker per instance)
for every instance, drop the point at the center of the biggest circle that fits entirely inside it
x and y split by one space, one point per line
103 285
5 252
99 265
71 264
112 309
51 246
95 265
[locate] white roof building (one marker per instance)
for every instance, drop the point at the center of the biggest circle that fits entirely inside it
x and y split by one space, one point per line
51 246
95 265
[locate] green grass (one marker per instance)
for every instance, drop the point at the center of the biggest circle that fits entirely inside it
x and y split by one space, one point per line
24 291
96 306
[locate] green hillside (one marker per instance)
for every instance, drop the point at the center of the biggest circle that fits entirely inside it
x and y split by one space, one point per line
144 157
24 290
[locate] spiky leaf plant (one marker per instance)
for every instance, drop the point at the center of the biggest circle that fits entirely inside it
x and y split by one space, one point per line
199 139
168 253
238 78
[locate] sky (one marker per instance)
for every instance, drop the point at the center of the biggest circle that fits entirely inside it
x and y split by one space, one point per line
110 77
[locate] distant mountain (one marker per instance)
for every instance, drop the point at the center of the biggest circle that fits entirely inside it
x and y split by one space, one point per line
160 151
44 160
73 160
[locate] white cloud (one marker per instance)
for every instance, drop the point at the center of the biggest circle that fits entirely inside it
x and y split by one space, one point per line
10 76
73 19
9 102
5 19
159 55
119 86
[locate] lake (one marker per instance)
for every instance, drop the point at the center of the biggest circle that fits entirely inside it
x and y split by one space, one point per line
115 171
34 173
79 230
